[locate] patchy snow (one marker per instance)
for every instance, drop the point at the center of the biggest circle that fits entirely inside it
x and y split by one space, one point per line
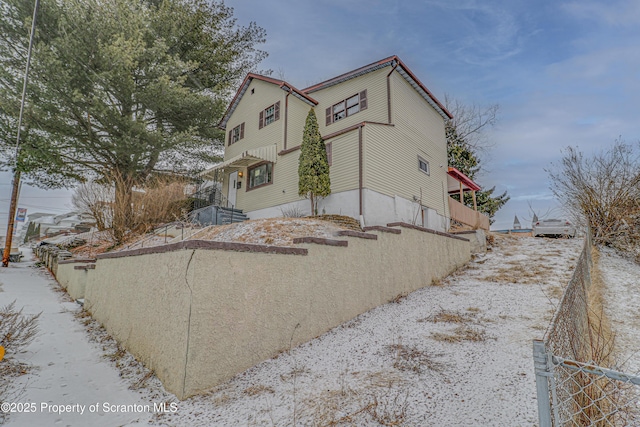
66 369
457 353
622 301
274 231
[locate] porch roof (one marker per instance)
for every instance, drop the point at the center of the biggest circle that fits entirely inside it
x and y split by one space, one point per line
457 179
246 158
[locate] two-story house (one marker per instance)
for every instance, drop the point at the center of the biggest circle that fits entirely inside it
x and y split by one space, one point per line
385 137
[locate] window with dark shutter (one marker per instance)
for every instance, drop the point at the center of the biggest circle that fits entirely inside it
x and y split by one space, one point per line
363 100
236 134
269 115
347 107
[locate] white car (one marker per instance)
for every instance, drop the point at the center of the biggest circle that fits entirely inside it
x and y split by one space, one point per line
554 227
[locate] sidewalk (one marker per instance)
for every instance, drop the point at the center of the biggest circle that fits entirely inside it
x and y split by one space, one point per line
66 369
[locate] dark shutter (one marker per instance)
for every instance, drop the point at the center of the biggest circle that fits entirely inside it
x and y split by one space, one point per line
276 113
328 112
261 124
363 100
230 132
242 130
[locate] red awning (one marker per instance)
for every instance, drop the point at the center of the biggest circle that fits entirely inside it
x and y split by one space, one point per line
467 183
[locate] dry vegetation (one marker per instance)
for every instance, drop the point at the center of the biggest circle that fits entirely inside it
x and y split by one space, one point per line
274 231
17 330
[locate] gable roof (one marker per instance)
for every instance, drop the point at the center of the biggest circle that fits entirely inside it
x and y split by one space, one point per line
397 65
245 85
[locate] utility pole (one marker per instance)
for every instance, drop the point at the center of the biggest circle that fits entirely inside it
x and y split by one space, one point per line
16 172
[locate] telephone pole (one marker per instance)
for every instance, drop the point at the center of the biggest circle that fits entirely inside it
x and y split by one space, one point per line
16 172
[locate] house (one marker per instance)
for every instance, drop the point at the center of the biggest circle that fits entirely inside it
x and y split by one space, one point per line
385 138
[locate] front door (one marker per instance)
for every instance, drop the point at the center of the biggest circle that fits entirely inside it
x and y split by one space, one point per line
233 188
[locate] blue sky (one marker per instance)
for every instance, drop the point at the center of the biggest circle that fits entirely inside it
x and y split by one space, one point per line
563 72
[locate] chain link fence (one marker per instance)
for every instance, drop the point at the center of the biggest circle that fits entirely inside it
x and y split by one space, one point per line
572 390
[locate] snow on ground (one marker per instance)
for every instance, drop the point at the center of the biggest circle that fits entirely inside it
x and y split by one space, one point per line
66 369
275 231
454 354
622 300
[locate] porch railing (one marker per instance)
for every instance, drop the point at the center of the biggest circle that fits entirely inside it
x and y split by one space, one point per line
467 216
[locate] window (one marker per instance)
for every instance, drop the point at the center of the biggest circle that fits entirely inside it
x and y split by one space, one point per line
236 134
347 107
329 154
423 165
269 115
260 175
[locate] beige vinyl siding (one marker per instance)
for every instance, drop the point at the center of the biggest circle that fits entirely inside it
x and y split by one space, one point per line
248 110
344 168
297 117
391 167
414 117
284 188
376 85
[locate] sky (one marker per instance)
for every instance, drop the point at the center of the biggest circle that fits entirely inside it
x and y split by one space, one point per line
564 73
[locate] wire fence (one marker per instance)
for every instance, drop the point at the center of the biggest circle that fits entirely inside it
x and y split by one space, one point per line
572 389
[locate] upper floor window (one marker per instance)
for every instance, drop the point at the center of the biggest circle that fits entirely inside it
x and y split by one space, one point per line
347 107
236 134
269 115
423 165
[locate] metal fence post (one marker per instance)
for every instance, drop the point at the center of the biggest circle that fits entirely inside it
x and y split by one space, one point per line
542 383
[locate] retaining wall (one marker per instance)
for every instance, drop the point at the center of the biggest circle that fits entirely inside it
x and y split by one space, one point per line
199 312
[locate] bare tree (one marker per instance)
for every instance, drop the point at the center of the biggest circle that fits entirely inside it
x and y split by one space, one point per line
471 122
603 190
161 200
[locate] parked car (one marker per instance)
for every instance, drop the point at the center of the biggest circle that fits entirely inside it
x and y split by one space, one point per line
554 227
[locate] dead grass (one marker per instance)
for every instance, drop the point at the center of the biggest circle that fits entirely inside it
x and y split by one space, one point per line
520 273
258 389
411 358
271 231
460 334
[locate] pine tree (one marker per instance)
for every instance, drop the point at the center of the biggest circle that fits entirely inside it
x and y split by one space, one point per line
462 157
313 166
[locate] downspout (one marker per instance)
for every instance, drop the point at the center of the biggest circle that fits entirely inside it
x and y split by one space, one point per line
395 65
360 176
286 114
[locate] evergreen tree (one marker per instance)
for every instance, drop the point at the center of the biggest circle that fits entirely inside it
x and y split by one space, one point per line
119 90
313 166
462 157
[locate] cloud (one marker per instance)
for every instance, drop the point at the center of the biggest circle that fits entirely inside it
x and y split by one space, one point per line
612 13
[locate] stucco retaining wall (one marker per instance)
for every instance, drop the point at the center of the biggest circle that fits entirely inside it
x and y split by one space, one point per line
198 313
73 275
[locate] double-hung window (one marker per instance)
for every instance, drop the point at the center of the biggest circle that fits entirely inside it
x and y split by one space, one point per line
236 134
347 107
269 115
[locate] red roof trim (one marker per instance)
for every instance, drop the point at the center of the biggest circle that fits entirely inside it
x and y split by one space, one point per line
459 176
389 60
